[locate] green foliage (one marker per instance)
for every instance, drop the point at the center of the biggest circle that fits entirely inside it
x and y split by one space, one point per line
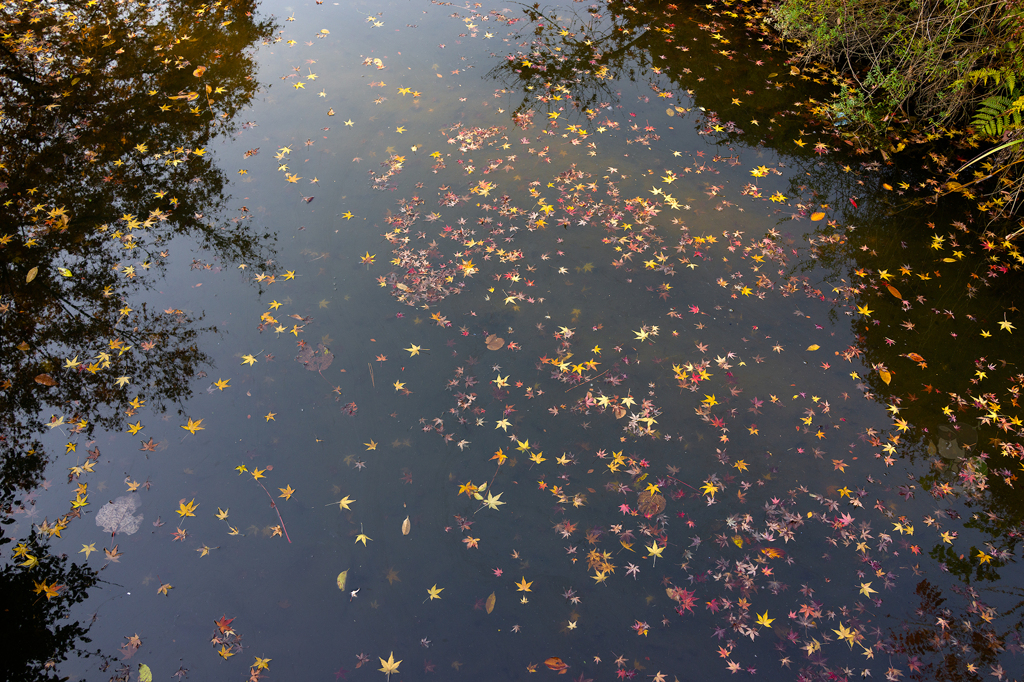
945 63
998 76
998 114
936 61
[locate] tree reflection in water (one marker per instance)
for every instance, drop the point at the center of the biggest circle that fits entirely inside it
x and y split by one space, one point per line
108 107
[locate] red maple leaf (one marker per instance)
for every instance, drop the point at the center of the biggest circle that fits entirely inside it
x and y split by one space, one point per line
224 624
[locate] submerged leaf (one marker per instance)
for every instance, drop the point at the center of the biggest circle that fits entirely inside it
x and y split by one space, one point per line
116 517
650 503
315 360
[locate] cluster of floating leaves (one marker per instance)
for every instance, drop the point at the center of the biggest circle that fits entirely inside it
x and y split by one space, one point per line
422 275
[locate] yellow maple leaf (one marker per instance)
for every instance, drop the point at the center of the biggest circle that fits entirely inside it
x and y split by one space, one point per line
849 634
389 666
188 509
343 503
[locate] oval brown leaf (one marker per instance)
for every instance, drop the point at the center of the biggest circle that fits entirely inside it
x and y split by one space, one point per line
886 376
494 342
489 604
406 526
31 274
199 72
894 291
46 380
916 357
817 216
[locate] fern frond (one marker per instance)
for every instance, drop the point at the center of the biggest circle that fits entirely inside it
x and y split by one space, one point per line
997 114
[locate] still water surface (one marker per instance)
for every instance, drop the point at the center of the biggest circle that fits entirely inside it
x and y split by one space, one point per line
559 330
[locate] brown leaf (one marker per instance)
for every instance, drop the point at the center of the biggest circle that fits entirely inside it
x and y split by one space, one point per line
315 360
489 604
46 380
650 504
494 342
555 663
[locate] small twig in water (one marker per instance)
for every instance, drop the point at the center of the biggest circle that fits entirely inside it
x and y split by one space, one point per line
274 505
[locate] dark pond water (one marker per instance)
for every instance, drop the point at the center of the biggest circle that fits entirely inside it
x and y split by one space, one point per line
476 341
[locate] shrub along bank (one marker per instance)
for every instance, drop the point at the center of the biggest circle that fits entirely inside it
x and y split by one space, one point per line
943 65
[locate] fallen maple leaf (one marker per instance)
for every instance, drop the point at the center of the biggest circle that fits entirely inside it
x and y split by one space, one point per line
389 666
